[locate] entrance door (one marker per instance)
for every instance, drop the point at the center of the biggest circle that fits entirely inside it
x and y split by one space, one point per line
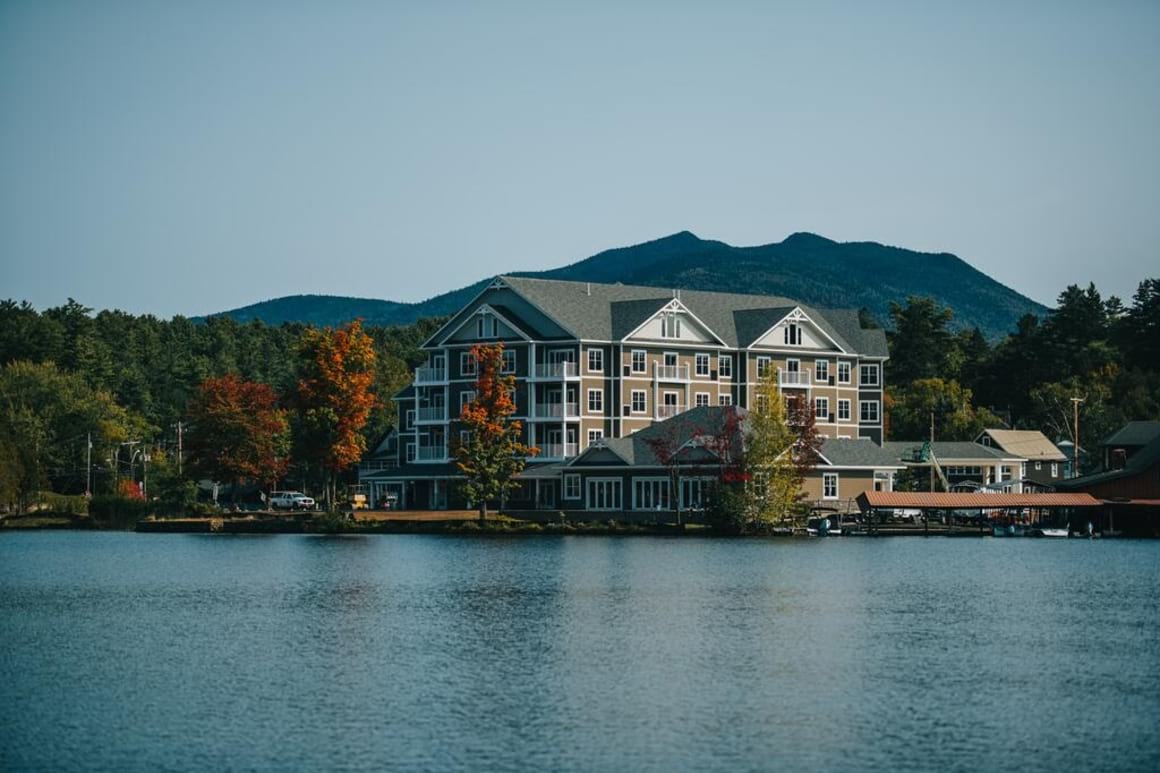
546 495
438 495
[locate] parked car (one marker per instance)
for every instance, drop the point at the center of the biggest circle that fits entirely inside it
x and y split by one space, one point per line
290 500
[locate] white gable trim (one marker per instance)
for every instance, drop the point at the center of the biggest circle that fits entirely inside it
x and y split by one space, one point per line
592 448
494 284
487 308
674 305
797 315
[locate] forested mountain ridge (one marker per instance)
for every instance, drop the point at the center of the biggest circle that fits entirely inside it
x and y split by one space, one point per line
804 266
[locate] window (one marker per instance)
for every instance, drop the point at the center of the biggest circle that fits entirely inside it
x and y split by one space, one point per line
701 362
701 398
762 367
595 360
793 334
868 375
571 487
466 364
694 491
509 361
465 397
670 325
595 401
843 373
762 403
1054 469
868 411
1039 466
594 435
843 410
724 399
486 326
670 359
822 371
638 401
604 493
822 407
410 418
410 452
829 485
464 437
638 361
725 366
650 494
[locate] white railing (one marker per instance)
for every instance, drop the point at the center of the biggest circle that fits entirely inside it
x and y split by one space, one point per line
431 453
793 377
670 372
556 410
430 375
558 450
556 370
375 465
432 413
669 411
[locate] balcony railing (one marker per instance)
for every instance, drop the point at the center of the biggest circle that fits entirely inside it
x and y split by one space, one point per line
375 465
437 413
669 411
558 450
795 378
556 370
670 372
430 375
556 410
431 453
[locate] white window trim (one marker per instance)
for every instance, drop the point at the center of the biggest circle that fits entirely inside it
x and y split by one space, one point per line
632 401
873 366
643 361
504 369
849 371
725 399
697 399
725 360
410 417
676 359
877 412
825 401
837 491
409 452
697 357
465 397
572 480
599 394
595 434
846 403
595 350
617 485
1054 469
767 362
662 482
823 365
467 364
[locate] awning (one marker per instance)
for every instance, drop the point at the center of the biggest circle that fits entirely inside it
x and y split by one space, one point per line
922 500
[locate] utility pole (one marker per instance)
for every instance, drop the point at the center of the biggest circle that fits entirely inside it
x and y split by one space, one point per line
179 449
89 466
931 451
1075 401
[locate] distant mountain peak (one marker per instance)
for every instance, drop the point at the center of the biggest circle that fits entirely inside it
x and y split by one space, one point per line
806 237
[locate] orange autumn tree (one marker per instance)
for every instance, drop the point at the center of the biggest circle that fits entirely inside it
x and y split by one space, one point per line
493 454
237 432
334 399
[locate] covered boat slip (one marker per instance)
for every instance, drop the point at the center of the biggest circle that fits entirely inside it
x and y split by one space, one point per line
979 511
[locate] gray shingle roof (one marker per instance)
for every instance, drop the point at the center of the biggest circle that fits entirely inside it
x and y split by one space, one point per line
640 448
609 312
857 452
1137 464
946 451
1134 433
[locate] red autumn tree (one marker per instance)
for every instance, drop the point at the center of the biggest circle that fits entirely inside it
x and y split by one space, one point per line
237 432
494 453
334 398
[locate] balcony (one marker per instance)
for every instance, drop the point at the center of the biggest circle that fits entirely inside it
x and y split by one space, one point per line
430 376
556 371
793 378
558 450
431 414
669 411
431 454
670 372
556 411
368 466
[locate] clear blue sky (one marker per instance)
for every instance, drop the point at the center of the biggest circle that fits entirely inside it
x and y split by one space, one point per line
189 157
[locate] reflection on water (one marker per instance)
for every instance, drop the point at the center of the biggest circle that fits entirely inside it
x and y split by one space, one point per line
149 652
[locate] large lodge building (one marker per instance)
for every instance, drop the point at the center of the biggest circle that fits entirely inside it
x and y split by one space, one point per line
598 362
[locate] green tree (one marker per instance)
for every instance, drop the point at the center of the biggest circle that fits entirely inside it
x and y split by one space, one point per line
774 479
920 342
494 453
956 418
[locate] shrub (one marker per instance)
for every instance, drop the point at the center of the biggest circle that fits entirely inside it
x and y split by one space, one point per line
64 503
118 512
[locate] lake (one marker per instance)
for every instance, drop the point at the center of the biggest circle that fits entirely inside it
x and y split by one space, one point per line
187 652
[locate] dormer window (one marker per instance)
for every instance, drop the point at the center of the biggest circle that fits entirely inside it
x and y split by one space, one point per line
793 334
486 326
670 325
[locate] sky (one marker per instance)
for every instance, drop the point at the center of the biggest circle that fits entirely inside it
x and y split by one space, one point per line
173 157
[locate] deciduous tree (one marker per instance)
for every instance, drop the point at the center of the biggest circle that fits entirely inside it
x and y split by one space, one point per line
237 432
774 481
494 453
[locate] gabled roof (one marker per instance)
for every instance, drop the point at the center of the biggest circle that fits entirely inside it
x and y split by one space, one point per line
609 312
1138 463
947 452
640 448
1134 433
1030 444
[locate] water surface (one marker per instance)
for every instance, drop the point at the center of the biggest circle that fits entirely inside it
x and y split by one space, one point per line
189 652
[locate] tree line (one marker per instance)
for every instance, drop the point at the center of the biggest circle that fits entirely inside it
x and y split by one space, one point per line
1092 348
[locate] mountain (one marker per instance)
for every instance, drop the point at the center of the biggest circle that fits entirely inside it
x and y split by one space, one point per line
807 267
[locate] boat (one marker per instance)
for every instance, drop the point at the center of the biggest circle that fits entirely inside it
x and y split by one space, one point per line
822 527
1053 532
1009 530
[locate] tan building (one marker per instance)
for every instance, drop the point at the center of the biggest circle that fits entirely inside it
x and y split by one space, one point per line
596 361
